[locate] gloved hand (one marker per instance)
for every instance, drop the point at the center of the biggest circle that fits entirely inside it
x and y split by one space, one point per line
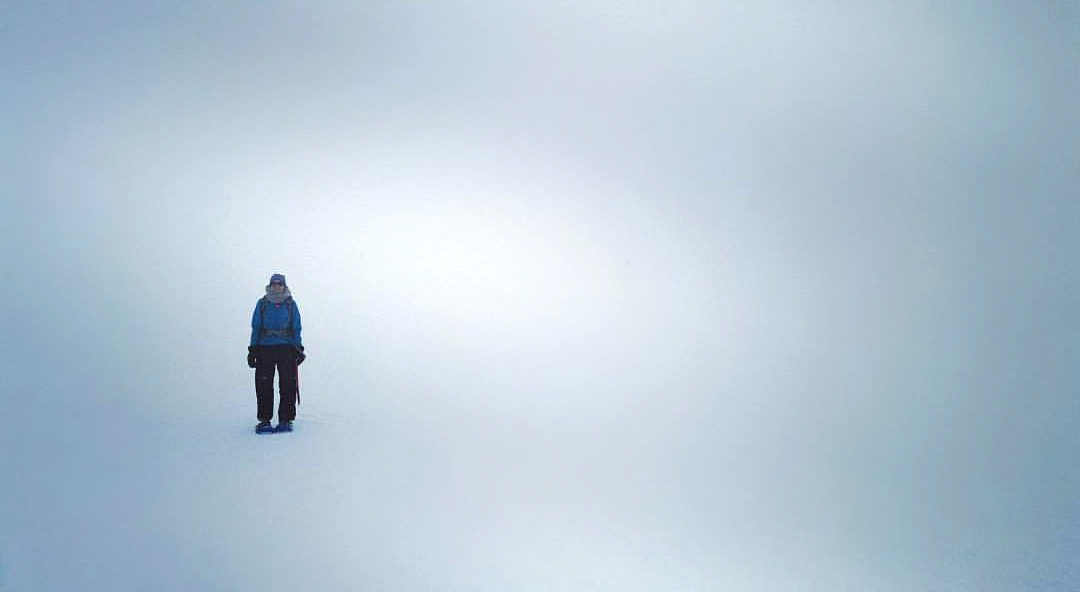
299 357
251 356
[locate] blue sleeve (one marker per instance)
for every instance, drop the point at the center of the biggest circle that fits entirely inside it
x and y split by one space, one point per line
296 321
255 328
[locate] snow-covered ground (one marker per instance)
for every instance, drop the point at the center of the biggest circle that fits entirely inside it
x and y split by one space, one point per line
368 496
656 458
680 296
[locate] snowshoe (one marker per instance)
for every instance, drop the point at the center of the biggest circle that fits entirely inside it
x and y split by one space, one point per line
283 426
264 427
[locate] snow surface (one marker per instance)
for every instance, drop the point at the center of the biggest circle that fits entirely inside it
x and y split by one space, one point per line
424 466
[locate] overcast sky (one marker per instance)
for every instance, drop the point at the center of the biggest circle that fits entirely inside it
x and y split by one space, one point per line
788 292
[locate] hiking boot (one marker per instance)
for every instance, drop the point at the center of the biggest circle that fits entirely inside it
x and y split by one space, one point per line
264 427
283 426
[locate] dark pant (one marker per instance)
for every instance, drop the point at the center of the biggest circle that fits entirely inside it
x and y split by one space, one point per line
264 385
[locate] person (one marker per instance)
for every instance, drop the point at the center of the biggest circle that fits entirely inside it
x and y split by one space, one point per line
276 344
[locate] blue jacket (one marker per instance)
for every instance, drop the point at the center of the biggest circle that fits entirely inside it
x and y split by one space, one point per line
276 324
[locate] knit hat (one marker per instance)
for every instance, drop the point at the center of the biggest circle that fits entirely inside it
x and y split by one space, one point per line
277 277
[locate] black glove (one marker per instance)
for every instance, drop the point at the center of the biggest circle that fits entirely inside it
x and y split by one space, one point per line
251 356
299 357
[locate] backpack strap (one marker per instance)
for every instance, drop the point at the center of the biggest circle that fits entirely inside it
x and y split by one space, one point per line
262 315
